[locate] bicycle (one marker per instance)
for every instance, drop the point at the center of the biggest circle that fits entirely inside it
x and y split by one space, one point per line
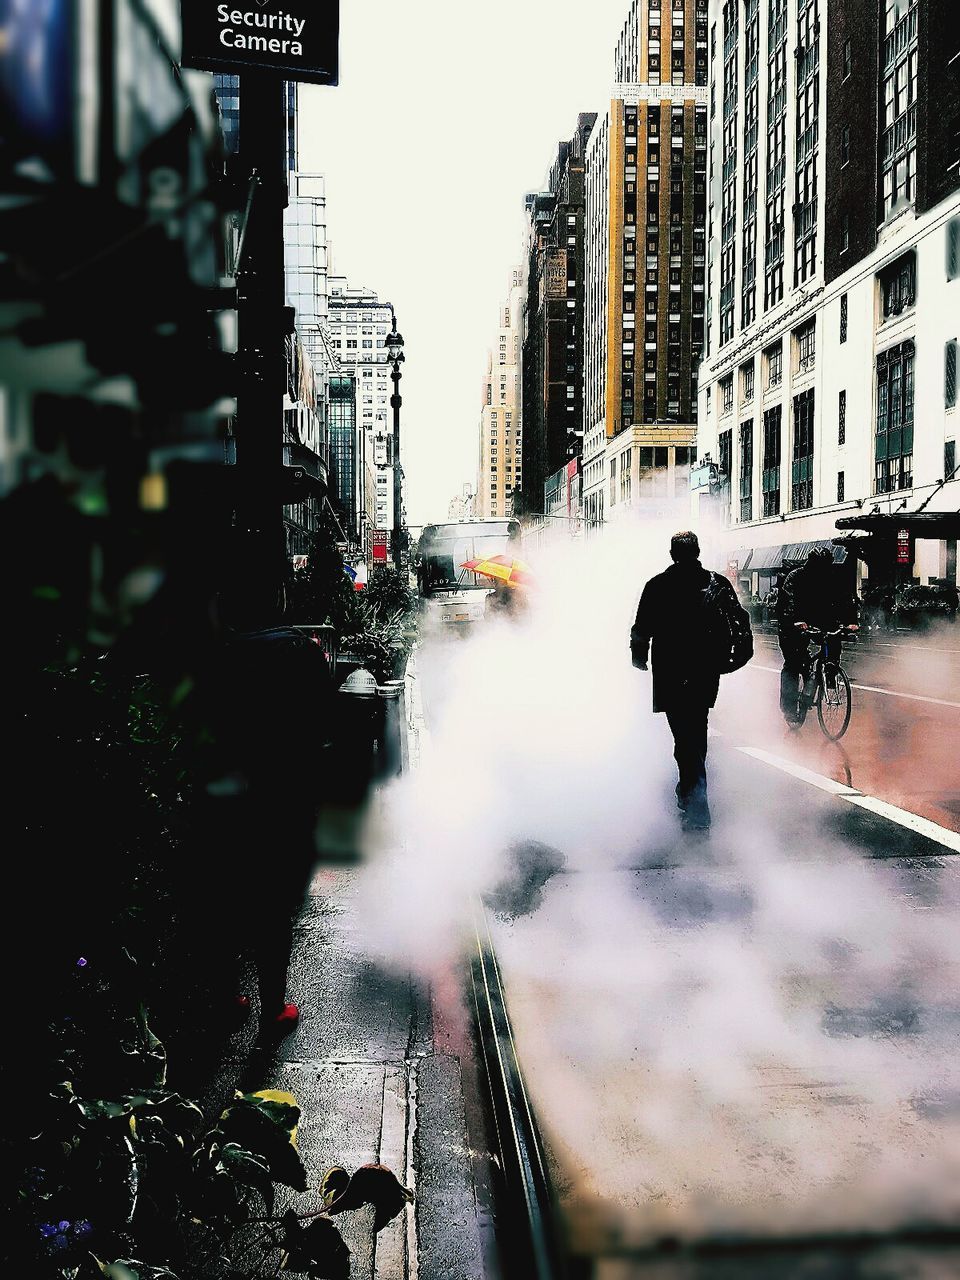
825 685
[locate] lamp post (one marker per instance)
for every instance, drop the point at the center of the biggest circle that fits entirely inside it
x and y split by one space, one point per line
395 359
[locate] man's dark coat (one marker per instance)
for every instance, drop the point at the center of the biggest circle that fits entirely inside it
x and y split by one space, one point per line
673 615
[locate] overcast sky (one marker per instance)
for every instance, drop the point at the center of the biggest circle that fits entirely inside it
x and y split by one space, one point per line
446 114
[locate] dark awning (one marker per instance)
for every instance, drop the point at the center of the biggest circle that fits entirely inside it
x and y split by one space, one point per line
800 550
769 559
766 558
922 524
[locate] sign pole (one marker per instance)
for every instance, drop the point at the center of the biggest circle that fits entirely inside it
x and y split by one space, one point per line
263 324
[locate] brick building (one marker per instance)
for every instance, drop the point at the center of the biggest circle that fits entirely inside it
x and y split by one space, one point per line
553 322
646 174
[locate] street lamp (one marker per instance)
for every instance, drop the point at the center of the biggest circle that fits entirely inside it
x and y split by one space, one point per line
395 358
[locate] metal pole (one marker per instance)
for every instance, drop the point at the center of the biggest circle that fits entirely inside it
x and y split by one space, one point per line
395 402
262 318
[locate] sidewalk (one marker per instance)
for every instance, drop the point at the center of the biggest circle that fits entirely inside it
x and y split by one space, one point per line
379 1079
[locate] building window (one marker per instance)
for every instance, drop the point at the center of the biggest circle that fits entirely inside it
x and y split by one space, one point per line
726 393
806 346
840 486
725 442
773 357
953 248
770 479
746 470
894 440
843 317
802 473
746 382
898 285
949 459
898 139
842 418
950 374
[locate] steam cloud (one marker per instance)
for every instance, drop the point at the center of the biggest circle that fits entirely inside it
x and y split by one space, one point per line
757 1033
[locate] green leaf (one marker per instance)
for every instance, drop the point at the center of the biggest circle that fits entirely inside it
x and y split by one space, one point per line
250 1169
317 1249
265 1127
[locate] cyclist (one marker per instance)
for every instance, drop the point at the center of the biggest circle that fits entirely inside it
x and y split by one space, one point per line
810 596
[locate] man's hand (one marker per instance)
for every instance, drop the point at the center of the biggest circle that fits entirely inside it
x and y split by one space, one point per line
641 666
802 626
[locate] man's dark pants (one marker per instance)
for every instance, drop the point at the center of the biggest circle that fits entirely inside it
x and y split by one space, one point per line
795 664
687 718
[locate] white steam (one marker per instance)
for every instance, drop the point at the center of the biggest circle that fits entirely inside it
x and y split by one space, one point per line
757 1032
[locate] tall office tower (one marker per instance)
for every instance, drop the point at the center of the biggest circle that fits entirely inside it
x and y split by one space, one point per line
645 263
501 428
305 263
830 379
227 91
553 322
359 323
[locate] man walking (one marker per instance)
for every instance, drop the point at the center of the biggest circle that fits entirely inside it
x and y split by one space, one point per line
674 614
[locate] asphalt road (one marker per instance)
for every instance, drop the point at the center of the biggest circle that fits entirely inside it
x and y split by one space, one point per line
744 1049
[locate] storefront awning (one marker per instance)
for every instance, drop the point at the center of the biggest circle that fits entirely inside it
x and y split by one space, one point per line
740 557
766 558
800 550
770 559
922 524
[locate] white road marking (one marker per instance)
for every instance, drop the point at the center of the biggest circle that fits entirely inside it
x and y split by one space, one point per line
871 688
798 771
893 813
912 821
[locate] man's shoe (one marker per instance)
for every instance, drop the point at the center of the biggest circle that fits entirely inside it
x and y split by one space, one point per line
697 815
282 1024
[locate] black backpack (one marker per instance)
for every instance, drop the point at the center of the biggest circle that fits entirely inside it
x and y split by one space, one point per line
728 626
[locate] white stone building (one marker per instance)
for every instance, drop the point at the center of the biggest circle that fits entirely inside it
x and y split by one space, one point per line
829 388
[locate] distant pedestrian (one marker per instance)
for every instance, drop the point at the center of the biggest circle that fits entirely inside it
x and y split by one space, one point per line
698 630
271 699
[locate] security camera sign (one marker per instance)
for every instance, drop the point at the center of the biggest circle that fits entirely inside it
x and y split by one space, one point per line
297 39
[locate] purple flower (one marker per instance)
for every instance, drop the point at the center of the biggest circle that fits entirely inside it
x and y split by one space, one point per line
82 1229
47 1229
82 962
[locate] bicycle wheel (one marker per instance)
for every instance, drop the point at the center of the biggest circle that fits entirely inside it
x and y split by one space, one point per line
834 702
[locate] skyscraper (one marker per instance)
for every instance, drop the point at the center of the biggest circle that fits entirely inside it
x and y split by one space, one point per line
501 428
553 321
645 262
359 323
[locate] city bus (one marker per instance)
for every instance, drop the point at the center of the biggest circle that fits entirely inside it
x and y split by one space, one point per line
451 595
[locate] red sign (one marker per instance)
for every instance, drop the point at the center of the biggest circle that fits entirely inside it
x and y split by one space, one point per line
904 550
379 542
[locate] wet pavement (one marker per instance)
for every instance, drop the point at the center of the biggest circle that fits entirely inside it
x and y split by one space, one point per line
903 742
743 1049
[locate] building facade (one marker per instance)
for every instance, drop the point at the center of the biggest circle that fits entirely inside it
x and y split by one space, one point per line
646 174
553 322
829 389
462 507
501 426
358 324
